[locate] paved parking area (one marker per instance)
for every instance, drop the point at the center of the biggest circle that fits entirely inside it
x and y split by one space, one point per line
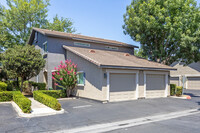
82 112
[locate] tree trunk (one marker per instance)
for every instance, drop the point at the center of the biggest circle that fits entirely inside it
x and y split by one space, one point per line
21 84
68 91
17 82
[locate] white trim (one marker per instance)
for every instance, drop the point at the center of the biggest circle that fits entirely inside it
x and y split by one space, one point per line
179 80
192 75
121 71
137 85
175 75
166 85
108 86
83 78
145 86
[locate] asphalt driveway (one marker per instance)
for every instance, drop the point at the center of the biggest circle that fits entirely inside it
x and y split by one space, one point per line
82 112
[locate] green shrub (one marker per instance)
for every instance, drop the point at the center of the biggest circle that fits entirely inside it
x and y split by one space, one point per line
179 90
12 86
54 93
6 96
41 86
47 100
23 102
172 89
3 86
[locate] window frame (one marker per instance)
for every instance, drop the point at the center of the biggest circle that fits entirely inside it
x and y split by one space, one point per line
83 78
84 44
44 45
111 48
36 37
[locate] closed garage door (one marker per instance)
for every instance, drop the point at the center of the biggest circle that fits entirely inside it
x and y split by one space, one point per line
174 80
155 85
193 83
122 86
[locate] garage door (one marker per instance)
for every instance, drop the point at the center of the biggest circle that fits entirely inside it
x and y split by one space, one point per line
122 86
193 83
155 85
174 80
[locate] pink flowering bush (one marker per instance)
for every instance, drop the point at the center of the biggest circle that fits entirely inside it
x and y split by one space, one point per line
65 76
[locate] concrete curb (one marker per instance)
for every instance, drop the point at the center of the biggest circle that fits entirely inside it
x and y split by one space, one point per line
5 102
68 98
22 114
181 97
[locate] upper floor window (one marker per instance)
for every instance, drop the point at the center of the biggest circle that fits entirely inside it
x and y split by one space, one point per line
81 44
36 37
111 48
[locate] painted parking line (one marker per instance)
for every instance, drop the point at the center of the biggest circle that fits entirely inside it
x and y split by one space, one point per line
129 123
83 106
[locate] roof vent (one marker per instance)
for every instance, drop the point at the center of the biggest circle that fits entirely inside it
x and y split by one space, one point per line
126 54
92 51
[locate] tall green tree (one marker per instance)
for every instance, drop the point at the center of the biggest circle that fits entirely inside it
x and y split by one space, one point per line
21 16
17 20
22 61
168 30
61 24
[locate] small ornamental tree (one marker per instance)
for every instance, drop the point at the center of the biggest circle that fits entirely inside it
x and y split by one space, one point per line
22 61
65 76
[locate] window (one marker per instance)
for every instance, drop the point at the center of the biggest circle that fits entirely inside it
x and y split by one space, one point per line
111 48
80 78
36 37
45 46
81 44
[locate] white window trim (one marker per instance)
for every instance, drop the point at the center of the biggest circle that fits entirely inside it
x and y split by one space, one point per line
78 44
159 73
83 78
44 52
122 71
110 48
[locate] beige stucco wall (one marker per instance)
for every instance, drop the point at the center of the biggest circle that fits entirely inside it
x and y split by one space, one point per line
93 79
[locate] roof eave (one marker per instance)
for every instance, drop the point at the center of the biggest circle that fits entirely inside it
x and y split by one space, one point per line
137 68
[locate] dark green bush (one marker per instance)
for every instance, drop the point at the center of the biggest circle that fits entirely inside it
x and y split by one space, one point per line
172 89
12 86
23 102
41 86
179 90
6 96
54 93
47 100
3 86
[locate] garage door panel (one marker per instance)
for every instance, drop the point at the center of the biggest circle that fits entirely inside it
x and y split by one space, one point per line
193 83
122 86
155 93
122 82
122 96
155 85
155 82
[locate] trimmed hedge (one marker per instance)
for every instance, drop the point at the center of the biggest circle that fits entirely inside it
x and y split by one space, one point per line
3 86
47 100
179 90
23 102
40 86
6 96
172 89
54 93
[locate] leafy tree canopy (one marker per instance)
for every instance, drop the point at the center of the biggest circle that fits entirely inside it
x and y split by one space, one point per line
18 19
168 30
22 61
140 53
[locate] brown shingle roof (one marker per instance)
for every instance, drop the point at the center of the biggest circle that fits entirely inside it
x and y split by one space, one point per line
113 59
81 37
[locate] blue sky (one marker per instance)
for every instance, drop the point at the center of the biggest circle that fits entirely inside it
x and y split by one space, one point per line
98 18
